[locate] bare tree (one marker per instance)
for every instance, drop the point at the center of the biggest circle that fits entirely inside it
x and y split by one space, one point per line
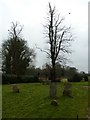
59 40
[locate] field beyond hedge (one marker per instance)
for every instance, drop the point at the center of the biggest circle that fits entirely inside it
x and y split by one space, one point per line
33 101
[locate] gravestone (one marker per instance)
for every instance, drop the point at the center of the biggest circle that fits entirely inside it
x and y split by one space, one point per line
45 82
54 102
15 88
67 89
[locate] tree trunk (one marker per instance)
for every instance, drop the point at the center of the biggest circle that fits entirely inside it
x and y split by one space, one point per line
53 90
53 83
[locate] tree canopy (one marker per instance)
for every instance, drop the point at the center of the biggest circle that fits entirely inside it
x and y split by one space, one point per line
16 54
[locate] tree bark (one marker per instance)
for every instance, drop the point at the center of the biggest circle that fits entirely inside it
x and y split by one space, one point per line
53 83
53 90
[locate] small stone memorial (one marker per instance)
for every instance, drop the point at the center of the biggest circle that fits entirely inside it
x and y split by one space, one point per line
67 89
15 88
54 102
45 82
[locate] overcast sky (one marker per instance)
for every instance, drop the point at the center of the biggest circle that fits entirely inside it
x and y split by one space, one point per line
32 13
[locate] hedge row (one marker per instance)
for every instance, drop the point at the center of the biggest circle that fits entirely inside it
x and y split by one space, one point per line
11 79
78 78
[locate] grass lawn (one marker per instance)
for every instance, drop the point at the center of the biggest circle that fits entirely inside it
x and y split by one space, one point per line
0 101
33 102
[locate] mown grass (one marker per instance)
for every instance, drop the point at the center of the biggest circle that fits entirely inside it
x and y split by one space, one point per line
0 101
33 102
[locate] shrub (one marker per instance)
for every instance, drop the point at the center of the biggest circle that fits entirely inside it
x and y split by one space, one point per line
4 79
86 77
75 78
12 79
29 79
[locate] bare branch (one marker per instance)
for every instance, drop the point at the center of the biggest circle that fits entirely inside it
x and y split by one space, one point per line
62 59
15 30
43 51
59 44
58 23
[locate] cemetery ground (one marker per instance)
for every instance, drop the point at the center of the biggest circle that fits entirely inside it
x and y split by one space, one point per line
33 101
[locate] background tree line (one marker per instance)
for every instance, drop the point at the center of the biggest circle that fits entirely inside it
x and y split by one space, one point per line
61 72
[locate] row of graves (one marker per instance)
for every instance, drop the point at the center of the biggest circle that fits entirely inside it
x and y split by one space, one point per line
66 90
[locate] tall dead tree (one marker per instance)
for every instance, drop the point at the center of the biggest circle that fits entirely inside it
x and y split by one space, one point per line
59 40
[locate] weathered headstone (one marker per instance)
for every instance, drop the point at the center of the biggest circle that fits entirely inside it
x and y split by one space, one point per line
54 102
45 82
15 88
67 89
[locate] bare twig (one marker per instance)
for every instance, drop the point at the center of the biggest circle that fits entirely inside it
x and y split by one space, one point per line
43 51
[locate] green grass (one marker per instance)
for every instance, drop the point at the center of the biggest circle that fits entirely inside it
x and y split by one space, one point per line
0 101
33 102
